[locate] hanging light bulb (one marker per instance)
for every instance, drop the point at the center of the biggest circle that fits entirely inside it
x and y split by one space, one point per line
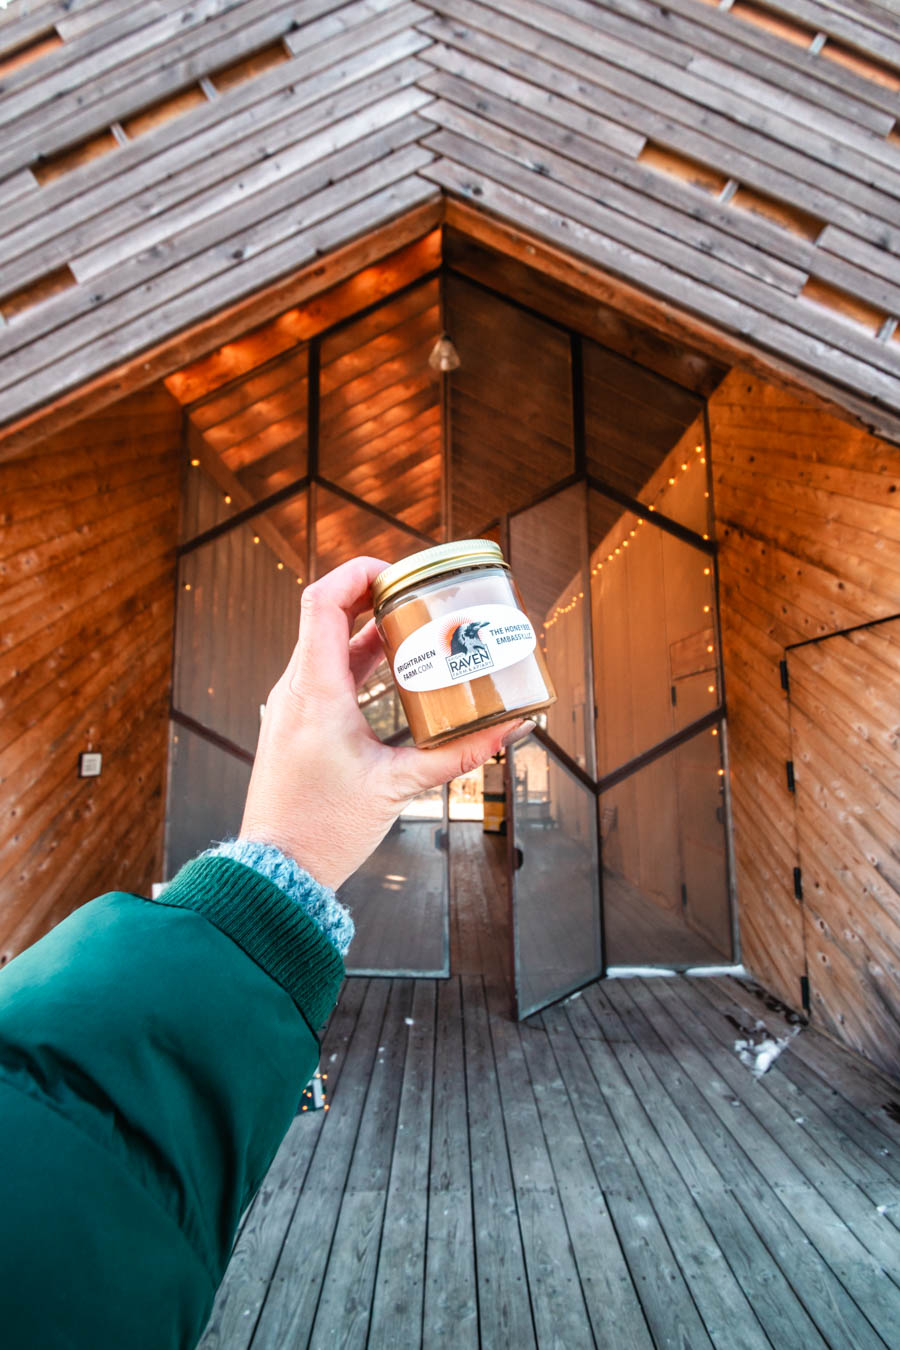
444 355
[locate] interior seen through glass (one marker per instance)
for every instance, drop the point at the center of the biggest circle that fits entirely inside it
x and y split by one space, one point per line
623 608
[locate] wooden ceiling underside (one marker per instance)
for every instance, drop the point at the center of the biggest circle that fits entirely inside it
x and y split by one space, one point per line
161 164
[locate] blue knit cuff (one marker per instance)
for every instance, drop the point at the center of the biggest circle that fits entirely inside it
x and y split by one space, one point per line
317 901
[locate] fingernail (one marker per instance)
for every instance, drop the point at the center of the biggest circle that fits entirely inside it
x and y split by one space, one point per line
519 732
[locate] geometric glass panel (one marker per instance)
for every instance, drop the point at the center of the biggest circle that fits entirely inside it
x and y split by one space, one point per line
640 429
207 790
250 436
665 874
380 409
548 547
510 406
399 897
654 633
236 624
556 913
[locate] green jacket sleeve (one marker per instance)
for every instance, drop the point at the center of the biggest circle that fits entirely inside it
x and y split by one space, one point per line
152 1056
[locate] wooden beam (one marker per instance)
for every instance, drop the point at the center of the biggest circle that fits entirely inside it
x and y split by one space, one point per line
230 323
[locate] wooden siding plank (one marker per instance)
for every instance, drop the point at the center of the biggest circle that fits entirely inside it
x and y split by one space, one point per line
770 93
775 1304
399 1291
666 1301
789 1221
225 175
288 1311
587 227
138 72
255 1255
388 124
657 90
504 1311
371 257
877 1234
363 48
344 1308
329 218
716 32
450 1311
520 106
559 1311
625 186
826 19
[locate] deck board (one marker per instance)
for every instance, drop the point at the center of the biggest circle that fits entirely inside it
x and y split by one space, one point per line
607 1173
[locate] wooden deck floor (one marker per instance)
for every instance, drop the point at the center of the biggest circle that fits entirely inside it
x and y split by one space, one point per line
607 1174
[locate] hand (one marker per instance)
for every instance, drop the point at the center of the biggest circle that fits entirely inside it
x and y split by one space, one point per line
324 789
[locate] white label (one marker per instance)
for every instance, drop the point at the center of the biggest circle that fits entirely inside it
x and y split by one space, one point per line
462 646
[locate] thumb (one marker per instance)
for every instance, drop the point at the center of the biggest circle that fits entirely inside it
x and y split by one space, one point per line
417 770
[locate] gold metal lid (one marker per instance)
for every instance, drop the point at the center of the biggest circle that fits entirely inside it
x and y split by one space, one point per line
432 562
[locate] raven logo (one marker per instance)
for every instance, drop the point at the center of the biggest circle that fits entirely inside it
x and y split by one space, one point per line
468 653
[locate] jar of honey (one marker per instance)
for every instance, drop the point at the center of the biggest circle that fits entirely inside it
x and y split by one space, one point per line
462 650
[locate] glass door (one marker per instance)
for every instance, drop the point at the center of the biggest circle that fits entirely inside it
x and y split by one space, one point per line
557 939
554 852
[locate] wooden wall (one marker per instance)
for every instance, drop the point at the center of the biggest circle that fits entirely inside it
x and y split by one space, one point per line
808 523
88 525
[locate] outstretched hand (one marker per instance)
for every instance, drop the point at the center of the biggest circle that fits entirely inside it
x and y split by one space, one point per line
324 789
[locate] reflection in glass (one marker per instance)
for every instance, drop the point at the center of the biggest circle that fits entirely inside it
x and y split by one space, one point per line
399 898
344 530
665 879
380 409
236 625
548 545
557 910
510 405
251 433
644 436
203 503
655 659
207 788
380 703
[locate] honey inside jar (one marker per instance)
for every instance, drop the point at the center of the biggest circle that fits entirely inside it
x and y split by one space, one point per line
462 651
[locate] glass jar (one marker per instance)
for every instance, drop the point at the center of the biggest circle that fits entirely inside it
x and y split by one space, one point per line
462 651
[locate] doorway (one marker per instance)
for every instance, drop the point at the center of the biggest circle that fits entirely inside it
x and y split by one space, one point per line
591 469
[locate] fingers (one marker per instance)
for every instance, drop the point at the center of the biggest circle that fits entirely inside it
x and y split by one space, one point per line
327 610
417 770
366 652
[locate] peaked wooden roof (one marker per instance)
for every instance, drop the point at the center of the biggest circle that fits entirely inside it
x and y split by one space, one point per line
159 162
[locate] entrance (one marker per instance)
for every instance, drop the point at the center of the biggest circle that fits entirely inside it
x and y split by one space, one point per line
591 470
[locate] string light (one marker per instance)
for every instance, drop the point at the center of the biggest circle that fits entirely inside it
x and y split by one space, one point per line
187 585
227 500
256 539
712 689
280 566
195 464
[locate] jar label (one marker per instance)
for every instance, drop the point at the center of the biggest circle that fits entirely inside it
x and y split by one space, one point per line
462 646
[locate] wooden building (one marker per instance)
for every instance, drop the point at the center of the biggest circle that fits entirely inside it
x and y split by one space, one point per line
665 241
